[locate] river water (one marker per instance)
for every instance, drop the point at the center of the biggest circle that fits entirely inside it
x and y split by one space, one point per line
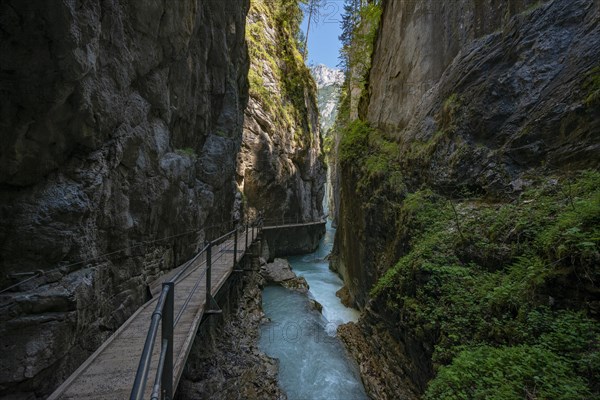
313 363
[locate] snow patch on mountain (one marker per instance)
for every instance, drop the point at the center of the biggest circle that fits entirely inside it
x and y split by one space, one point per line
325 76
329 83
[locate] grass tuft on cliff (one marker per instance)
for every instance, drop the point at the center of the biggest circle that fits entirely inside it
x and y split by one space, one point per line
504 293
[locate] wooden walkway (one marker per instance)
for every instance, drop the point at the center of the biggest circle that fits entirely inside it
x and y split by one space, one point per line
109 373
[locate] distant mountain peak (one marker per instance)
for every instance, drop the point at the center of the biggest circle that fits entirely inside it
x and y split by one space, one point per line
326 76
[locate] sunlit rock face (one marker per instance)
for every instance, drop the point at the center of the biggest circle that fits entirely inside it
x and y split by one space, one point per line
281 169
121 124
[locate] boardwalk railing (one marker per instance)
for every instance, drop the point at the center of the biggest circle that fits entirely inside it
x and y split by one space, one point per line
164 374
297 220
164 315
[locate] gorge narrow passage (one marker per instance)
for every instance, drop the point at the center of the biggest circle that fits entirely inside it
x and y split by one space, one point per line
313 363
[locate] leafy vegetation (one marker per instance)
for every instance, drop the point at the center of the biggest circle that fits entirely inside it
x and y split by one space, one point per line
360 24
515 372
374 154
491 287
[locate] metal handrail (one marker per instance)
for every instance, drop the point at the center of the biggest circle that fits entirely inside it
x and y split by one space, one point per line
163 384
292 220
164 312
190 262
159 370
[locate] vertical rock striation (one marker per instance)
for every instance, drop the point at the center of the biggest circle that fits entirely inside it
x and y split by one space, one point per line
478 100
281 168
493 99
120 127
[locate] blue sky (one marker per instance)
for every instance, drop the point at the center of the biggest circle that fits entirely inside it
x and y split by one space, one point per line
323 43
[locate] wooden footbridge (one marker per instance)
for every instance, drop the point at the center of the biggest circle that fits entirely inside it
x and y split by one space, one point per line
138 361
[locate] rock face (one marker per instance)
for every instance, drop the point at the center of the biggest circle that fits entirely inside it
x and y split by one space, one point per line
496 105
120 127
281 170
382 362
476 101
293 240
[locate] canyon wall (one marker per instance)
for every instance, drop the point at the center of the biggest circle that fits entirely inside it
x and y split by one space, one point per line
475 115
129 138
477 108
281 167
121 124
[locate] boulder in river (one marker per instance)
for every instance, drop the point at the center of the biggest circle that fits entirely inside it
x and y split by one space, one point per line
280 272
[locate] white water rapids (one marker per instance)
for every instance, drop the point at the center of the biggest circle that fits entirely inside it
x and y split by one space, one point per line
313 363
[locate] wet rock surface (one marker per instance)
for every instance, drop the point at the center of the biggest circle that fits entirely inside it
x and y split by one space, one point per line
344 296
279 272
379 361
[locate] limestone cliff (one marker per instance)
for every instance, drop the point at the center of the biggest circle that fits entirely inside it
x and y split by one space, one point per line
490 100
281 169
121 122
474 122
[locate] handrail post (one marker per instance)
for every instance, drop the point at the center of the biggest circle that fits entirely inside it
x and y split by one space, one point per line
208 277
167 333
235 239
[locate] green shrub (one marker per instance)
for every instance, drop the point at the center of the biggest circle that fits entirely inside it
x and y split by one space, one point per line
483 276
517 372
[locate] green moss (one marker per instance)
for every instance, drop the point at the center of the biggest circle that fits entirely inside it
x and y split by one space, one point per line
449 112
187 151
483 276
373 156
592 87
534 6
353 142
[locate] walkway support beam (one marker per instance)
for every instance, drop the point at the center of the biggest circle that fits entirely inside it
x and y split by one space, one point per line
235 239
208 274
